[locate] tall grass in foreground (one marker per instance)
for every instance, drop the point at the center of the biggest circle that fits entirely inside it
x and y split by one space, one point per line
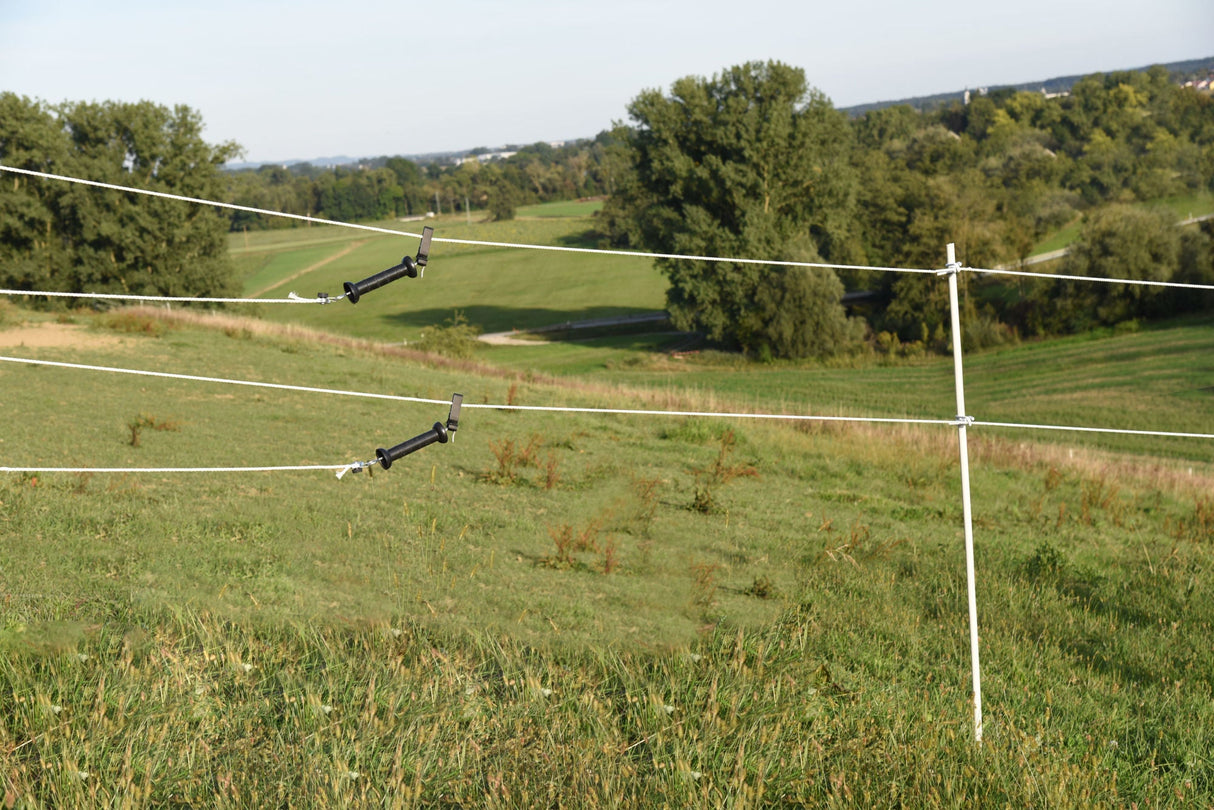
855 696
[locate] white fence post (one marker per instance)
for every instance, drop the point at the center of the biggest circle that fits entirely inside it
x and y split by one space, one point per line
963 421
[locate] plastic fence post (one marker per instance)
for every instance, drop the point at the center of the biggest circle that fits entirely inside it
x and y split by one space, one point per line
954 269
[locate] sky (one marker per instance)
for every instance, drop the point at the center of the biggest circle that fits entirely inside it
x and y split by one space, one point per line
307 79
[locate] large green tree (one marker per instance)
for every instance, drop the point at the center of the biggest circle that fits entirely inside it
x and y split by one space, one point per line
75 238
1119 242
750 163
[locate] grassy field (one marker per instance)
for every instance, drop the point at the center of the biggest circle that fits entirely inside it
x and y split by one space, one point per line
1186 206
1063 237
497 289
564 609
1135 380
578 208
586 610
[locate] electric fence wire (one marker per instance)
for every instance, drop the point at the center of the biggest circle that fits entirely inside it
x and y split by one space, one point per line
344 468
1078 429
521 246
450 240
475 405
1140 282
181 299
84 470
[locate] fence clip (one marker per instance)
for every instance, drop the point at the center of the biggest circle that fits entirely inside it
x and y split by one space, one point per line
408 266
960 420
953 268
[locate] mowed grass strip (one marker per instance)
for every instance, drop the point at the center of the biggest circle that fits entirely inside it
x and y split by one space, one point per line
496 289
572 208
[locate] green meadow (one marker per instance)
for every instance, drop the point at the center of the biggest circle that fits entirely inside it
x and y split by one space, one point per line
576 208
498 289
578 609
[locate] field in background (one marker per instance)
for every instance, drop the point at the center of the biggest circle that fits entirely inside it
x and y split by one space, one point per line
578 208
497 289
1135 380
621 609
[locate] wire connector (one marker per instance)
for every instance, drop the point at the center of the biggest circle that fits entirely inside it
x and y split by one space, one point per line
440 433
961 420
321 298
413 268
356 467
952 269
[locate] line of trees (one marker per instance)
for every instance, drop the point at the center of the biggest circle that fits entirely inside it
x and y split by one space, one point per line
392 187
70 238
753 162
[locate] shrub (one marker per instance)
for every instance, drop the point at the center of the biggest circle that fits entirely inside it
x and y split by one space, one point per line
457 338
9 314
133 323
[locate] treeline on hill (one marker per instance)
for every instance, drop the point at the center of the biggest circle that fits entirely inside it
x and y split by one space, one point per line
380 188
63 237
751 162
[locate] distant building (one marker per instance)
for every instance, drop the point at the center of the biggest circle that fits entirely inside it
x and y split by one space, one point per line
484 158
966 98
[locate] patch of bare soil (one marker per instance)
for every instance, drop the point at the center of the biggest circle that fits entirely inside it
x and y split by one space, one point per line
55 335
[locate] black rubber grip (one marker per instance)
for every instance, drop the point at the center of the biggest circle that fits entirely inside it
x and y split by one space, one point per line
356 289
438 433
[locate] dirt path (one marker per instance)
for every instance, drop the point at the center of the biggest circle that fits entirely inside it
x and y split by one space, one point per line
47 335
314 266
536 334
508 339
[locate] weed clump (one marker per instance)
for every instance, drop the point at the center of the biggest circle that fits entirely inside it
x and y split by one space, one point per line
646 509
704 587
552 473
762 588
1045 563
512 457
142 421
1199 528
570 542
717 474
